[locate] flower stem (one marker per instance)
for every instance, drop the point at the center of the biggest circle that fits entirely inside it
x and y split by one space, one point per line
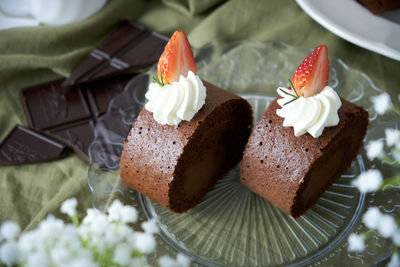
396 110
393 181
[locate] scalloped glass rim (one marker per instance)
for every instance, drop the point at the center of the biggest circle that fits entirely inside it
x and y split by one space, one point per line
253 70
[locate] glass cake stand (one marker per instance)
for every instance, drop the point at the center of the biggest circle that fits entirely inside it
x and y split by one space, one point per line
232 226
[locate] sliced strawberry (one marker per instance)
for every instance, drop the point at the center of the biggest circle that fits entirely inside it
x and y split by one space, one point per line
177 59
312 75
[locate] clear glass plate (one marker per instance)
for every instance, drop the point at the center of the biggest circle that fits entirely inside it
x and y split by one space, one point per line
232 226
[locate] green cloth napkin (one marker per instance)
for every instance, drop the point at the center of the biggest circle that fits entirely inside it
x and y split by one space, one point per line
30 56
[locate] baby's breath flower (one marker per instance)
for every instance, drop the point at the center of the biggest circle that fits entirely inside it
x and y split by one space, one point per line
166 261
394 261
87 262
392 136
150 227
69 207
51 226
9 230
8 253
122 254
96 221
371 218
396 153
114 210
60 255
356 242
374 149
182 260
129 214
387 226
100 240
144 242
119 212
37 259
381 103
396 237
368 181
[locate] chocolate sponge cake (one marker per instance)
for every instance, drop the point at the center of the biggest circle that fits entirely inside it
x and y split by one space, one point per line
176 165
293 172
380 6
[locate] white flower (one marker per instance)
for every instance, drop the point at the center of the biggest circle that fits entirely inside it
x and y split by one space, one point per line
374 149
144 242
396 153
356 243
82 262
387 226
118 212
151 227
9 230
392 136
396 237
182 260
129 214
381 103
37 259
96 221
368 181
114 210
69 207
8 253
371 218
166 261
60 255
27 241
394 261
51 226
122 254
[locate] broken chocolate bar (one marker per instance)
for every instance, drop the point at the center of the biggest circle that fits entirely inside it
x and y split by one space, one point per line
49 105
129 47
69 114
24 145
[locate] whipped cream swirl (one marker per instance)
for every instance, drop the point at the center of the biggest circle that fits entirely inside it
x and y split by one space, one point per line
310 114
177 101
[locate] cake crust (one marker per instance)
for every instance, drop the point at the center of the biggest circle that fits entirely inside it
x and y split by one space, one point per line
293 172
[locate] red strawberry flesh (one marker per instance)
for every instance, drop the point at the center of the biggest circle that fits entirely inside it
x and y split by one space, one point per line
312 75
176 60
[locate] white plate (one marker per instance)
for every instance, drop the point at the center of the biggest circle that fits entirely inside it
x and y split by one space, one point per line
354 23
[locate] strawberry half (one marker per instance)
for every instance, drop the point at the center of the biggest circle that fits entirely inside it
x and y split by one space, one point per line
177 59
312 75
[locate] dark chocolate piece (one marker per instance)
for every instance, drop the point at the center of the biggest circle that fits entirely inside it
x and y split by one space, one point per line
49 105
23 145
380 6
100 93
78 135
66 114
128 47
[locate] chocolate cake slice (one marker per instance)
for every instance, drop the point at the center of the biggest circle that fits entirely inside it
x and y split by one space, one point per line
293 172
176 165
380 6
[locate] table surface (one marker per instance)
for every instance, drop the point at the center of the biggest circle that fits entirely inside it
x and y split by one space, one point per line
30 56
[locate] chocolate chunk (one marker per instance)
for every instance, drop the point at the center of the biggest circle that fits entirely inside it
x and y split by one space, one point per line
128 47
70 113
23 145
78 135
100 93
48 105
